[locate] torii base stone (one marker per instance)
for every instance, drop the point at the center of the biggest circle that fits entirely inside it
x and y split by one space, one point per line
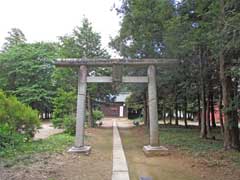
155 150
84 149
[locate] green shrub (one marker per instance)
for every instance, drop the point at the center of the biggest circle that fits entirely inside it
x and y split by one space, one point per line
69 121
97 115
19 117
57 122
69 124
10 138
18 122
64 105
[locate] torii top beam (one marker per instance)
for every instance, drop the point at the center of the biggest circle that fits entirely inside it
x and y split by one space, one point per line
111 62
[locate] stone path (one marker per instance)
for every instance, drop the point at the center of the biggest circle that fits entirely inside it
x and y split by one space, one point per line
120 168
121 122
46 130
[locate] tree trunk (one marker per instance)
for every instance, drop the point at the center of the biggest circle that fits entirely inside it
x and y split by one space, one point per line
212 111
220 111
209 113
170 116
199 111
231 131
208 127
90 116
164 113
235 133
203 132
185 112
176 111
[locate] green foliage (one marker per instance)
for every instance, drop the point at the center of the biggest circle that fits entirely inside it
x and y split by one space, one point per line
15 37
26 71
83 42
65 79
57 122
64 105
18 122
69 124
10 138
142 28
193 32
188 139
19 117
131 101
69 121
97 115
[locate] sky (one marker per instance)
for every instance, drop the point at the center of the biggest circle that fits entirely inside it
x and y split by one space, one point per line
45 20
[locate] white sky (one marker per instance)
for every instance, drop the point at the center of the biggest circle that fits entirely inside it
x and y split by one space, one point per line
44 20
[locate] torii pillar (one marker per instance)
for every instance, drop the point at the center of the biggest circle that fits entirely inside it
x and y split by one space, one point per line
81 112
154 147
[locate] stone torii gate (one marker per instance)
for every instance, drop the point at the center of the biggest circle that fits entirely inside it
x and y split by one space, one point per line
117 77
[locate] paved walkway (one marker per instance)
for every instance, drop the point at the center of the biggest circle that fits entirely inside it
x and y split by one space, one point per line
46 130
120 168
121 122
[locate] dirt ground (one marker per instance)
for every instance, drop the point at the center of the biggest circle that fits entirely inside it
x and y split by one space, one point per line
68 166
176 166
98 165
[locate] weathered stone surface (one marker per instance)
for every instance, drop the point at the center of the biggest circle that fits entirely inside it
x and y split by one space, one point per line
155 150
125 79
120 175
81 108
99 79
83 149
153 110
111 62
117 73
135 79
120 168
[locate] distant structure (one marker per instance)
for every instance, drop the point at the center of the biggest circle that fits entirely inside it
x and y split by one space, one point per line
117 108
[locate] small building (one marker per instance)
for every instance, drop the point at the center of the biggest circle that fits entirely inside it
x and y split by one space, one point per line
217 114
117 108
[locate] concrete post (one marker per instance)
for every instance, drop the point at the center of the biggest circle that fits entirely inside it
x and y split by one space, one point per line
154 148
81 112
153 111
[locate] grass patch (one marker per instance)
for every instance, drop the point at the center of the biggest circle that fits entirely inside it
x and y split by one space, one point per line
189 141
24 152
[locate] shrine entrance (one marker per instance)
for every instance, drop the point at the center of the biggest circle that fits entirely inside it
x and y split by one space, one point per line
117 77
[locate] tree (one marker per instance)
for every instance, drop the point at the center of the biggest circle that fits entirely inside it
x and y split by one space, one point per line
141 36
83 42
15 37
26 71
141 33
229 11
204 36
